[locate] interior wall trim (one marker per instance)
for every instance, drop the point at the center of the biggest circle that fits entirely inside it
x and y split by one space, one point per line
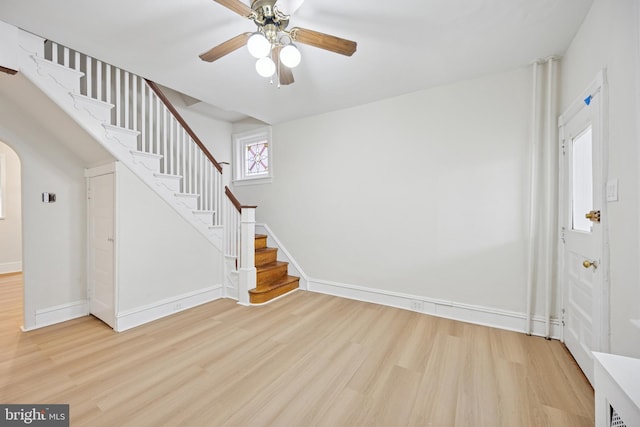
135 317
59 313
10 267
476 314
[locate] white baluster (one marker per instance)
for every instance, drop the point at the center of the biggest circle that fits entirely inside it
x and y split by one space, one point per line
126 100
172 162
65 60
99 80
165 157
157 117
89 77
118 103
76 61
184 161
143 115
54 52
134 93
108 83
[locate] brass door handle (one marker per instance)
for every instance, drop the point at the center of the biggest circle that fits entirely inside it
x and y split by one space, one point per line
586 264
593 216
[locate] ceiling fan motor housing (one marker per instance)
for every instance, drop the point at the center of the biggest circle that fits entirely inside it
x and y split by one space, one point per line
266 13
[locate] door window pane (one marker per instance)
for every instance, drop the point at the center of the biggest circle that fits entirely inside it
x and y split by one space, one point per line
582 188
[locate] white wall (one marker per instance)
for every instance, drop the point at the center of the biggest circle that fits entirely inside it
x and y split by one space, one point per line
423 194
11 224
160 256
609 39
215 134
53 234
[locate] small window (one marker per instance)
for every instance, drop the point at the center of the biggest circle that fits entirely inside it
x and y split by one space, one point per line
252 152
582 181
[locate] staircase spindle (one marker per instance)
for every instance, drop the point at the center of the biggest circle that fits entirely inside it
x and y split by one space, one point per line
134 101
65 54
118 103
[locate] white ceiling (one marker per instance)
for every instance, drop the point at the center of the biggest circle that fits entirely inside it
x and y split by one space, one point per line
403 46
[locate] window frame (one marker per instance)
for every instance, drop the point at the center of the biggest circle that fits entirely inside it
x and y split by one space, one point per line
240 141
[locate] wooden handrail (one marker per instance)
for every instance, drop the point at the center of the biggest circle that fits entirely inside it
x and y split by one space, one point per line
8 70
184 124
235 201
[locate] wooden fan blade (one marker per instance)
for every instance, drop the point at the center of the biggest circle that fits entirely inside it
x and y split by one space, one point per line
237 6
324 41
225 48
285 75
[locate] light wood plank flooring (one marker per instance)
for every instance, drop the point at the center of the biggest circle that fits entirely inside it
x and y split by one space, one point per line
304 360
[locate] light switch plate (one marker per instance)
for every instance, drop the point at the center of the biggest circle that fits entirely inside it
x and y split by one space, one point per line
612 190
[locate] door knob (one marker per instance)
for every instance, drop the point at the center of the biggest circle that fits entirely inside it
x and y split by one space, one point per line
594 216
586 264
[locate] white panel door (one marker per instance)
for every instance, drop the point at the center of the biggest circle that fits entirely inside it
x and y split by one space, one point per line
582 263
101 248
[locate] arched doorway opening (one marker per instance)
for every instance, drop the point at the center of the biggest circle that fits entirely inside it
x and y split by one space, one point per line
11 254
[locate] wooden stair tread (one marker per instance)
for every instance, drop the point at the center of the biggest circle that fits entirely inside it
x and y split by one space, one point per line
270 266
277 284
274 290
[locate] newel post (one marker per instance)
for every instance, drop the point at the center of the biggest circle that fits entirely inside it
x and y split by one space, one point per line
247 271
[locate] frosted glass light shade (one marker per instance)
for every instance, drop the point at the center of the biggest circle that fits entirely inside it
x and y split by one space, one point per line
290 56
258 45
265 67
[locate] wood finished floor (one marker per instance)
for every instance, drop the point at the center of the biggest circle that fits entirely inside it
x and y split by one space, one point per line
305 360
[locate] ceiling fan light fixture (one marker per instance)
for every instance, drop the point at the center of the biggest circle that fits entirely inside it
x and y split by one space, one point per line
258 45
265 67
290 56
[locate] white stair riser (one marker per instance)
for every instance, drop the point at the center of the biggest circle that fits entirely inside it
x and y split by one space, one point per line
188 200
149 161
98 109
128 138
205 217
170 182
66 77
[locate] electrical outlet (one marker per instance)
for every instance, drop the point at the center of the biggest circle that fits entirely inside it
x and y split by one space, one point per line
416 305
178 306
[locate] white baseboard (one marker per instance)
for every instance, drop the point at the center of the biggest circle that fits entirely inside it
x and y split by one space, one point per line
59 313
479 315
150 312
10 267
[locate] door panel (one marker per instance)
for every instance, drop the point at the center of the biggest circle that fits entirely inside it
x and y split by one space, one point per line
101 250
581 272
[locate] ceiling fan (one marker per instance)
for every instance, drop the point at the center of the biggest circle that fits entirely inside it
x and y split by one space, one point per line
272 44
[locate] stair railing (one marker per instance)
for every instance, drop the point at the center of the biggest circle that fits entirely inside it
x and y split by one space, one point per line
139 105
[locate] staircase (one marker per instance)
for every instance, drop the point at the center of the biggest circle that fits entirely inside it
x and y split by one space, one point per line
273 279
133 120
